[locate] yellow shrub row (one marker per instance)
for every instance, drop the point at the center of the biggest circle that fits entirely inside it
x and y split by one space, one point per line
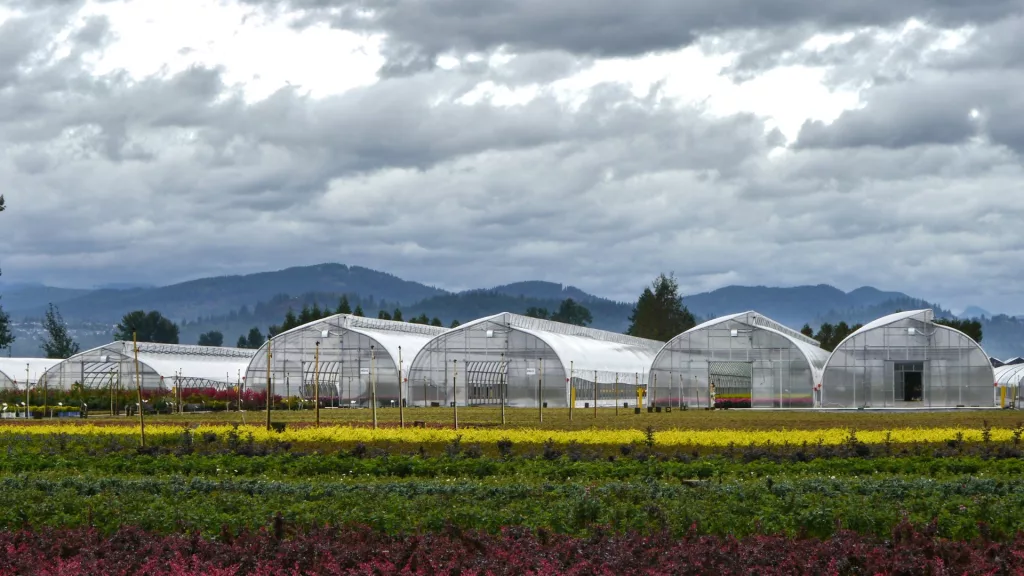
830 436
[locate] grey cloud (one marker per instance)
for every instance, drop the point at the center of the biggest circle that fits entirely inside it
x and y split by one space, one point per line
170 178
930 109
612 27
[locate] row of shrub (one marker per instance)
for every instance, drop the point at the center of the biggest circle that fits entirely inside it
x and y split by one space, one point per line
334 551
961 508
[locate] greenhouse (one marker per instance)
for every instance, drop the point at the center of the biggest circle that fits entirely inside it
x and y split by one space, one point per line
1007 381
14 372
906 360
161 367
750 359
348 356
519 360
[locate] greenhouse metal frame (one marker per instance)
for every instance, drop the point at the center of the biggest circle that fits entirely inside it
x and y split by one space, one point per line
356 356
906 360
519 361
752 360
161 367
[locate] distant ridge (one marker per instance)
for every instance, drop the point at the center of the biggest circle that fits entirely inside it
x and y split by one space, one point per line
233 304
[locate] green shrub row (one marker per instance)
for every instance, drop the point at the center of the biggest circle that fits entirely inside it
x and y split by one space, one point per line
960 508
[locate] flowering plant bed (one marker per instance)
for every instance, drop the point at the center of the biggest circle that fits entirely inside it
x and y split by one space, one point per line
328 551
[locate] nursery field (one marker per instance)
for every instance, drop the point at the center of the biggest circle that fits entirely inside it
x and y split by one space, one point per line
678 493
606 418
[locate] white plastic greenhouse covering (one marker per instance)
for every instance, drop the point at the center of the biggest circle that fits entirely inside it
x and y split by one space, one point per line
13 371
752 360
1008 379
905 360
355 354
161 366
520 360
1009 375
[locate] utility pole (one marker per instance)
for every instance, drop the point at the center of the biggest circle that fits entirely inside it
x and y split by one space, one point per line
316 383
373 384
540 390
572 389
270 392
401 397
504 369
138 384
455 399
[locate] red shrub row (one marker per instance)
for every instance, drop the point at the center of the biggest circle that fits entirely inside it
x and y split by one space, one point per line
515 551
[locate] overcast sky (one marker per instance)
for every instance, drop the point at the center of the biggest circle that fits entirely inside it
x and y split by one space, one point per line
469 143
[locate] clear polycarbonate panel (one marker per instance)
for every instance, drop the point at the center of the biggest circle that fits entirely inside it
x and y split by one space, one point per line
348 367
477 364
105 368
909 363
780 373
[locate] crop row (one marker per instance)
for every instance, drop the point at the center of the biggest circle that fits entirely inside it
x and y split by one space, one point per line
131 551
961 508
674 437
549 465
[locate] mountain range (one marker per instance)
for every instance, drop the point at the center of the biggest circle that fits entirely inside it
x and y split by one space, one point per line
234 304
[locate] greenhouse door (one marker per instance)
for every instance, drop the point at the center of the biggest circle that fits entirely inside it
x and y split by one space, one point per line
484 382
733 383
909 380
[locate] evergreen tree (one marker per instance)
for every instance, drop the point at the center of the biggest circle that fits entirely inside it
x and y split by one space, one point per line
58 343
397 316
358 311
807 331
659 313
382 315
151 327
343 306
829 336
971 327
211 338
435 322
306 315
316 313
455 324
535 312
570 312
243 342
255 339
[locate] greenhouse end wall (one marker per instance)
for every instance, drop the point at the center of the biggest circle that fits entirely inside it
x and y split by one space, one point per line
908 362
478 364
346 369
757 367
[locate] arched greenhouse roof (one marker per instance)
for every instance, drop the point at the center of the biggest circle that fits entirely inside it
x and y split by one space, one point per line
588 348
191 363
12 370
390 334
1009 375
809 347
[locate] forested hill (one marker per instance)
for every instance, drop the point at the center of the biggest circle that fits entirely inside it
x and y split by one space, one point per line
233 304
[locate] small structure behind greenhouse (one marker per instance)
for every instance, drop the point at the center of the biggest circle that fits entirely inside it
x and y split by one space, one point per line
161 367
522 361
15 372
1007 379
750 359
906 360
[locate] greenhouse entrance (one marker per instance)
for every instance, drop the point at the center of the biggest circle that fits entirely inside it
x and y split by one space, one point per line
909 380
484 382
733 383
